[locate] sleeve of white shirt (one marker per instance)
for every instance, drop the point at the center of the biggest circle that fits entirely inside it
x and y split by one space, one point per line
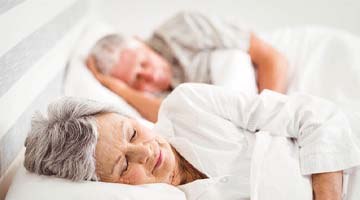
325 140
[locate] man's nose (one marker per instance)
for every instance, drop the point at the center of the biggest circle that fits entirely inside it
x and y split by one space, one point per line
147 75
139 153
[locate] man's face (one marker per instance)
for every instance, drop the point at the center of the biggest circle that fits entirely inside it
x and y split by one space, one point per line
143 69
129 153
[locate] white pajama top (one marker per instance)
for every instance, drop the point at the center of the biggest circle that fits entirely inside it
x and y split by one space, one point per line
216 131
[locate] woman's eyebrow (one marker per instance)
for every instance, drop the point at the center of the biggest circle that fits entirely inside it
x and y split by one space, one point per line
125 127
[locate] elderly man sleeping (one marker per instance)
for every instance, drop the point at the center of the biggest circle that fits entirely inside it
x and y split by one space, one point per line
183 49
204 132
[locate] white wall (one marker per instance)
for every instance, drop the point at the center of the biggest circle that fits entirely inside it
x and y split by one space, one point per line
37 37
141 16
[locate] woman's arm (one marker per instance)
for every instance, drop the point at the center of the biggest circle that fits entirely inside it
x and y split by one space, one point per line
147 105
271 66
322 132
325 140
327 186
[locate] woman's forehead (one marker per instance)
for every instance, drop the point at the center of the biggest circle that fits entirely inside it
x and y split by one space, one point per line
112 123
112 117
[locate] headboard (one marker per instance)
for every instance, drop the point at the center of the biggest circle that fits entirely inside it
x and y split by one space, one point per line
37 37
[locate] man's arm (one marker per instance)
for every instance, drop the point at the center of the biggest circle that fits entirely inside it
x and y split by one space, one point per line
147 105
271 66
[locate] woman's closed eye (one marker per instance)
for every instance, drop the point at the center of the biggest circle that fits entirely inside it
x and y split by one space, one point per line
133 135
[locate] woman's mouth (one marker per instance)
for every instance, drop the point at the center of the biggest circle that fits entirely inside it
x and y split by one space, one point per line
159 160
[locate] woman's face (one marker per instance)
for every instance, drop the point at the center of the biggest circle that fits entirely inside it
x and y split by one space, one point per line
129 153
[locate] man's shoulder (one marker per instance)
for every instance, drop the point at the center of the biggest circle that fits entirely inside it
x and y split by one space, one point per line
186 14
180 19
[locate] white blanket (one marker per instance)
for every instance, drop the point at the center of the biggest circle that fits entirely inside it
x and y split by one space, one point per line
323 62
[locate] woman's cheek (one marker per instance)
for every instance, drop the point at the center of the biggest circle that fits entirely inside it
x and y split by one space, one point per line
137 176
166 168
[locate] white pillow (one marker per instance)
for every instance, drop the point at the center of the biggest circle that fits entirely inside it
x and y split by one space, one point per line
91 33
233 69
80 82
28 186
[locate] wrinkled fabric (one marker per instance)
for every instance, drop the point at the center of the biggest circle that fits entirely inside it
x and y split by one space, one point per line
215 130
188 40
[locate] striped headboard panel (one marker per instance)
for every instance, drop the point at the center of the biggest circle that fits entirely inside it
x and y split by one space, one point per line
36 38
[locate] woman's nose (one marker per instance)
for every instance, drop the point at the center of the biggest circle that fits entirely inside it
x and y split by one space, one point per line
139 153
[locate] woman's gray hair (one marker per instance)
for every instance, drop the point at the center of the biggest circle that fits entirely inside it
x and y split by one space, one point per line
63 142
107 50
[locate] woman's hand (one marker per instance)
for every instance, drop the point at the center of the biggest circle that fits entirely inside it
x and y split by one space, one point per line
327 186
106 80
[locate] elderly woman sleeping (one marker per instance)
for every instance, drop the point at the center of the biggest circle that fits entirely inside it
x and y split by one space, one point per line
203 133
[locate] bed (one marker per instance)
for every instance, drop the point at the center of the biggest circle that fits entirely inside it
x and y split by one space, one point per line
63 32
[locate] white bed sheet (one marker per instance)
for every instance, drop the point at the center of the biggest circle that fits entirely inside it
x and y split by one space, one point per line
318 66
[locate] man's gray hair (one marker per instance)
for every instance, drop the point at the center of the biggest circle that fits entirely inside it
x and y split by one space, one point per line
63 142
107 50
